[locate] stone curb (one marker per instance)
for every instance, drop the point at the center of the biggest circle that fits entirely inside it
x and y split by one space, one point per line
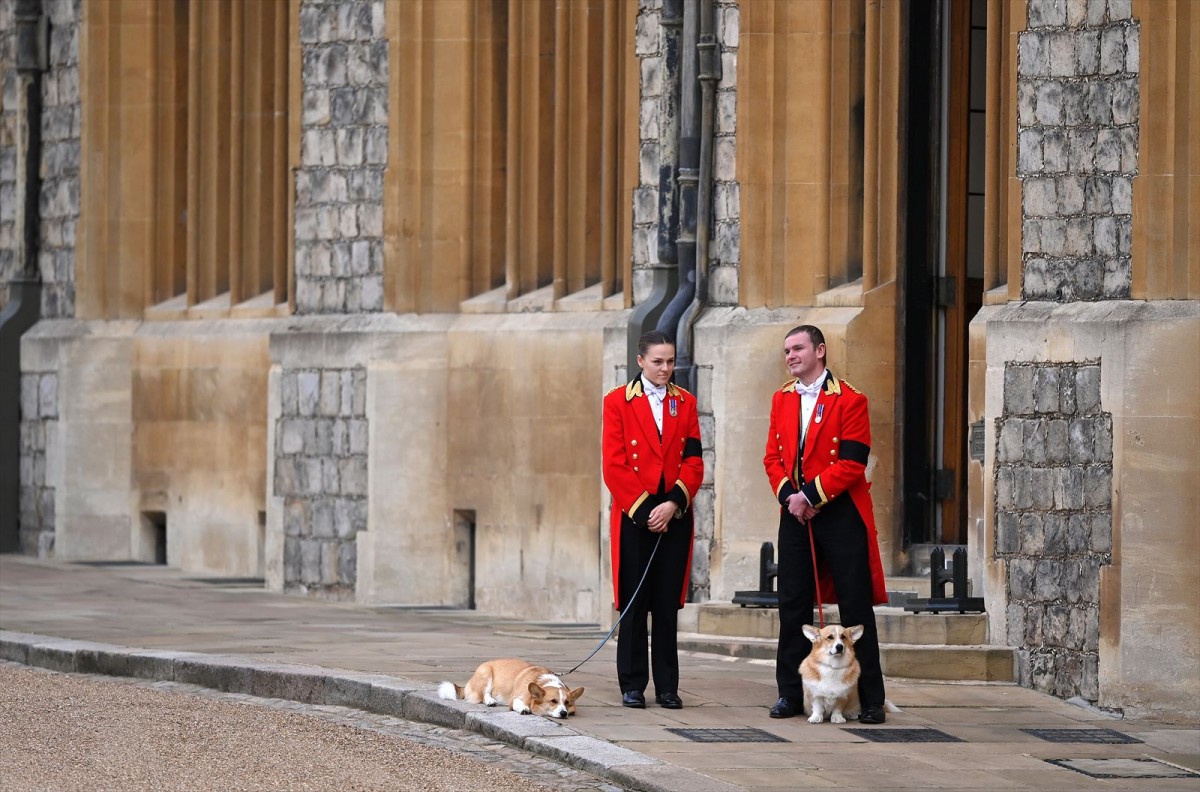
385 695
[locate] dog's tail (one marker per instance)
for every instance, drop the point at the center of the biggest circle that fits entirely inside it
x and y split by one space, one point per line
450 691
890 707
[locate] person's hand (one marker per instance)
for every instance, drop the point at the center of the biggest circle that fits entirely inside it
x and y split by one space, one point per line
799 507
660 517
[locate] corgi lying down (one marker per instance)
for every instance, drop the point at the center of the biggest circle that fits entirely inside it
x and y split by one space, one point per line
524 687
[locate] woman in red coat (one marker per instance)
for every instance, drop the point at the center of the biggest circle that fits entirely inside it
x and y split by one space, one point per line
653 467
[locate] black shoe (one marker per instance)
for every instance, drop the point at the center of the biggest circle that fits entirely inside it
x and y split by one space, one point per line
872 715
634 699
668 701
784 708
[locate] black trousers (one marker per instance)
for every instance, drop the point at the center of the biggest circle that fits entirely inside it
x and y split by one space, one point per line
841 540
659 597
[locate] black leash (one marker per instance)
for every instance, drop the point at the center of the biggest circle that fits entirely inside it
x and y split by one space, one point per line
628 606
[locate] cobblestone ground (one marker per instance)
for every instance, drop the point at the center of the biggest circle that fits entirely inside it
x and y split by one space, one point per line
77 732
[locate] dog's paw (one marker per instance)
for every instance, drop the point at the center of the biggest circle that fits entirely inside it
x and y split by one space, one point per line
837 717
815 718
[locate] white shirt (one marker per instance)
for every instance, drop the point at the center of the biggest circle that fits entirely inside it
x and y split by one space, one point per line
655 395
808 402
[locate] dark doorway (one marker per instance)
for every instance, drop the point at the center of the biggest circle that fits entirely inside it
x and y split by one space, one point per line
942 281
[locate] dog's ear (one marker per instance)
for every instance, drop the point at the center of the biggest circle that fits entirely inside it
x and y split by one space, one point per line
575 694
811 633
536 692
856 632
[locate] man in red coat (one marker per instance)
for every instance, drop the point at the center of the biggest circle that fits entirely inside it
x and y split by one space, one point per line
653 467
816 458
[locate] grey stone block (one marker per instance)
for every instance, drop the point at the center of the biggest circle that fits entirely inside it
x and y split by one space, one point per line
1082 439
1087 389
1096 12
1097 486
1032 533
388 695
1118 278
291 684
52 654
666 778
1039 197
15 647
1056 151
148 664
1033 57
1081 154
310 561
1078 530
1049 103
1033 442
1057 623
1125 101
1108 150
1070 194
1045 580
1054 534
426 707
229 676
1008 534
1112 50
587 753
1062 54
507 726
1100 540
1018 390
349 690
1068 489
347 574
1057 450
1087 52
1045 390
1133 49
329 563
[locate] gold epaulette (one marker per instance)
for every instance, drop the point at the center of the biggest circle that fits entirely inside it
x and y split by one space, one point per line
851 387
676 391
789 386
616 388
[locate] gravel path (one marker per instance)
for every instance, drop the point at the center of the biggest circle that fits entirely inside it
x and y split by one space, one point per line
77 732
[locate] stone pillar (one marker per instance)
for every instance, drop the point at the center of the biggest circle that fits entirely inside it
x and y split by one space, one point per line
320 467
1054 527
1077 122
343 154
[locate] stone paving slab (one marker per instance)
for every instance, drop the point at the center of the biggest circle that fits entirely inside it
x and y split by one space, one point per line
154 623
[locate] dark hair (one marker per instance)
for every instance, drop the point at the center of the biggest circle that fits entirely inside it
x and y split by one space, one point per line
653 338
812 331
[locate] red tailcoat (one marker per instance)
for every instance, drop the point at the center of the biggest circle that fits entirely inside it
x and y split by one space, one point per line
637 461
834 461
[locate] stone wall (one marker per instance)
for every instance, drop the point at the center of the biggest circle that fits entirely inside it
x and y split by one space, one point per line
61 117
1054 523
1077 130
725 238
10 262
39 414
343 154
725 250
321 475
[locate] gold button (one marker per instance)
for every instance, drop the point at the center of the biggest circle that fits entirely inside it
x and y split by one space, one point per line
633 442
680 453
835 439
832 452
776 435
780 448
635 456
635 470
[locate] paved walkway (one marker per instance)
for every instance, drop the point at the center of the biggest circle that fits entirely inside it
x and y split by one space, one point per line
154 622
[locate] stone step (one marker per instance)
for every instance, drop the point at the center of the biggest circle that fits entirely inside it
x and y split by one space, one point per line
981 663
895 624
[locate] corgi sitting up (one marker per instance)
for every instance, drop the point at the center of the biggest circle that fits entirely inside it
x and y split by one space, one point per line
524 687
830 673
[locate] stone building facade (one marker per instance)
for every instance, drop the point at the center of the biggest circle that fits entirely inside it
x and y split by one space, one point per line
331 291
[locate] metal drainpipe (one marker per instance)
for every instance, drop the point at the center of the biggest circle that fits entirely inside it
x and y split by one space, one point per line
25 290
685 241
647 314
709 74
